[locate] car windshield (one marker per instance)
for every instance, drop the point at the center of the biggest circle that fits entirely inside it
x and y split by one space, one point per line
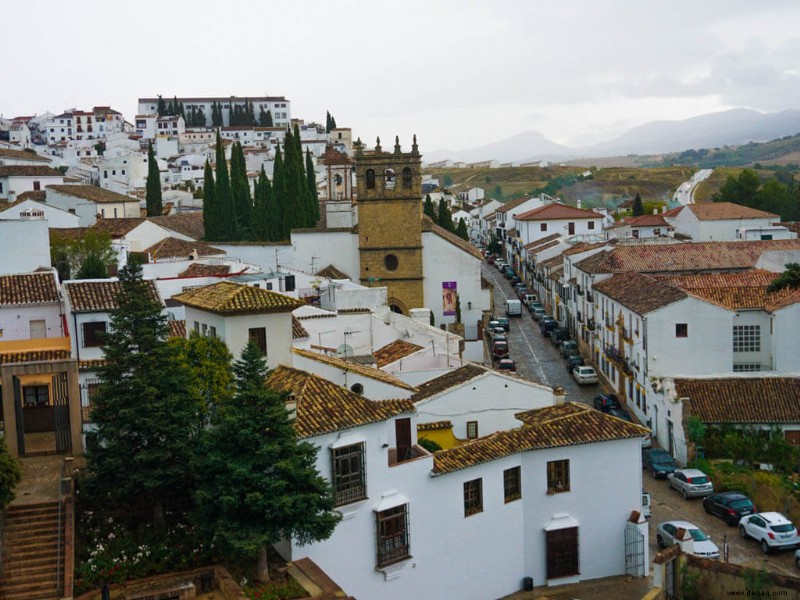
698 480
782 528
697 535
741 503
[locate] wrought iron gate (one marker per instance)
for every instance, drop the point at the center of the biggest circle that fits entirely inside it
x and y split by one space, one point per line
634 551
61 413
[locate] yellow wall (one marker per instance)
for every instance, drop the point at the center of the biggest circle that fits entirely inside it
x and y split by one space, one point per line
443 437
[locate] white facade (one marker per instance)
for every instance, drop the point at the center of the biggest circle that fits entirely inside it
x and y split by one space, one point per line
279 106
12 186
89 210
720 230
31 321
532 230
55 217
24 245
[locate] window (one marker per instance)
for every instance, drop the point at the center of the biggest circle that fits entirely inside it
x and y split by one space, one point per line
37 186
388 179
562 552
197 328
390 262
542 226
747 338
473 497
746 367
472 430
349 474
370 177
36 395
212 331
93 334
406 178
512 484
591 225
393 538
681 330
258 335
557 476
204 331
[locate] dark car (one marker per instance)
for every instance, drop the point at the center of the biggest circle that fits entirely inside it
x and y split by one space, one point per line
503 322
729 506
510 273
620 413
574 361
499 349
658 462
514 280
507 364
606 402
546 325
568 348
558 335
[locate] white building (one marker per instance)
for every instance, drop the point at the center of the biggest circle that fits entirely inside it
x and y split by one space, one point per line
726 221
30 307
279 106
11 157
16 179
643 227
24 245
557 218
25 209
90 202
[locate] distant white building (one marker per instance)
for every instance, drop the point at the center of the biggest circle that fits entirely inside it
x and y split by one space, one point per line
279 107
16 179
726 222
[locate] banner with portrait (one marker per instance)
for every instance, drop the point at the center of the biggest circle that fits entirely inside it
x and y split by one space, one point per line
449 298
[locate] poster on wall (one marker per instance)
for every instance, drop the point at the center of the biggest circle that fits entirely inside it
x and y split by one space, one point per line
449 295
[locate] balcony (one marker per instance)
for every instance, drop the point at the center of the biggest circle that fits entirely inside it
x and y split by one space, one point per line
626 334
591 325
590 296
580 316
411 453
579 289
35 350
614 354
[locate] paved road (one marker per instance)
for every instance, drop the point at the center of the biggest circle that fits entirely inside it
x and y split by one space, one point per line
668 505
685 192
537 359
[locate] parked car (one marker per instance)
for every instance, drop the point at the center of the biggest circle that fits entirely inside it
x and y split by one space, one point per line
620 413
493 323
529 298
606 402
507 364
510 273
667 535
691 483
503 322
490 259
514 279
568 348
574 361
647 440
538 313
730 506
584 375
500 336
658 462
646 504
534 304
771 529
547 324
558 335
499 350
495 331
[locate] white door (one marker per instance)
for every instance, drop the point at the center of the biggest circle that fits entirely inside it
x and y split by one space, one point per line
38 329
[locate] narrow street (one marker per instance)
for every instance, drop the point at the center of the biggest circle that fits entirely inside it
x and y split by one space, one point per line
537 359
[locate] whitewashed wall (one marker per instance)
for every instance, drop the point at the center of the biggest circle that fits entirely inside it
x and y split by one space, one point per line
24 246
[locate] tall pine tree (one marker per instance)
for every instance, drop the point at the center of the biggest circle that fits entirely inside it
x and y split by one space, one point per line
311 178
281 228
227 214
461 230
429 209
260 223
295 211
240 193
211 213
444 218
153 193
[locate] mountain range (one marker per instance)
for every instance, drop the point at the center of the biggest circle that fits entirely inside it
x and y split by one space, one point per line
730 127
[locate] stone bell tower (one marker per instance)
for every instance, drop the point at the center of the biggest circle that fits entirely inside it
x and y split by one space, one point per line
389 205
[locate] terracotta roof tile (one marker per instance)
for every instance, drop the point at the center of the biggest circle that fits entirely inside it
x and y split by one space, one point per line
716 211
639 293
646 221
394 351
298 331
7 358
188 224
357 368
117 228
449 380
22 155
227 298
334 157
204 270
177 328
38 195
29 288
742 399
512 204
324 407
553 237
92 193
434 425
332 272
98 296
569 424
28 171
553 261
174 248
557 211
429 225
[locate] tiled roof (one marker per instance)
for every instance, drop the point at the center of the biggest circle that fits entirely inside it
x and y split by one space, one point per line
204 270
38 195
28 288
333 157
639 293
742 399
673 212
298 331
553 237
536 248
716 211
557 211
449 380
332 272
685 257
792 226
188 224
177 328
644 221
28 171
434 426
174 248
117 228
583 247
429 225
553 261
324 407
357 368
512 204
394 351
227 298
91 365
22 155
92 193
7 358
99 296
569 424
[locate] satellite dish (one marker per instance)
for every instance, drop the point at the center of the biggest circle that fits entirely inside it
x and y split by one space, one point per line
344 350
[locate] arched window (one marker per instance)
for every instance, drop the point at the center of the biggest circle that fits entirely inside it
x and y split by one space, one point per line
396 308
406 178
388 179
357 388
390 262
337 179
370 175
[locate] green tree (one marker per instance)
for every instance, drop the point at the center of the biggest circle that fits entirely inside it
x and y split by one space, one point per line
428 209
461 230
444 218
260 484
313 195
162 107
295 212
240 194
87 257
790 278
280 202
498 192
10 475
739 190
227 214
211 218
262 205
216 115
153 197
138 454
638 207
330 122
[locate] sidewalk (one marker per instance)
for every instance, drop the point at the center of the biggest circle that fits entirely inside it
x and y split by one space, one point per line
609 588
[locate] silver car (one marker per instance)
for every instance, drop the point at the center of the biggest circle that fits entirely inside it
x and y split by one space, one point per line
676 532
692 483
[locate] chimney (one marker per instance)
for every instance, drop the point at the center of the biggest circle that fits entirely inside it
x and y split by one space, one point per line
559 394
579 203
655 211
421 315
663 209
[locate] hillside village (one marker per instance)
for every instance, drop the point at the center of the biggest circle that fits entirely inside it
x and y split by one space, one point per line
453 473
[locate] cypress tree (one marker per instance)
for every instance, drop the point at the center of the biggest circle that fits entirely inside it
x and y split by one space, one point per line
200 118
461 230
153 197
333 122
429 209
293 181
240 192
445 219
262 216
211 220
280 229
327 121
311 177
224 199
216 115
162 106
638 207
268 120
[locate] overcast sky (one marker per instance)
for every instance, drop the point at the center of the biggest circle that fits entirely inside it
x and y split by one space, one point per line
458 73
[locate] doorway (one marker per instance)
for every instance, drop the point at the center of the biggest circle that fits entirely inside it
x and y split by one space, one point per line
42 415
